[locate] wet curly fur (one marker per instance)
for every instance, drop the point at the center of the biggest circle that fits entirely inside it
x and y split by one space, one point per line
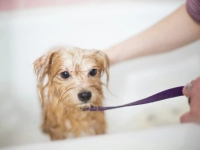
63 114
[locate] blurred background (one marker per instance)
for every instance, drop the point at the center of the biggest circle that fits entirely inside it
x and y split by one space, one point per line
29 28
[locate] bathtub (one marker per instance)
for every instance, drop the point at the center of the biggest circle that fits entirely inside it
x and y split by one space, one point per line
27 34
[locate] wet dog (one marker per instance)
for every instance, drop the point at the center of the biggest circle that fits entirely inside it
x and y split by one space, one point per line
69 81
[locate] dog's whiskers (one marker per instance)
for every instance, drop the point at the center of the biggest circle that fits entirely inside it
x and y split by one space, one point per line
66 90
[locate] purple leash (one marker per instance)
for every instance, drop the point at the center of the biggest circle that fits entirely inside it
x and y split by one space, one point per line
170 93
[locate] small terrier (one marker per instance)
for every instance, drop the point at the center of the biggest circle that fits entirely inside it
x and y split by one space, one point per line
69 81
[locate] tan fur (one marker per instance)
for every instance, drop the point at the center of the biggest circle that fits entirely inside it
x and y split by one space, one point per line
62 110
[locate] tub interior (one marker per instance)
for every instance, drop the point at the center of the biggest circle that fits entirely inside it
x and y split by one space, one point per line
26 35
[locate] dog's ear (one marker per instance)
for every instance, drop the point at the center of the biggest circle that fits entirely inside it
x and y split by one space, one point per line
42 65
105 63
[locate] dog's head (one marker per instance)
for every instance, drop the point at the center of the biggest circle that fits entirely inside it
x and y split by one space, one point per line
71 77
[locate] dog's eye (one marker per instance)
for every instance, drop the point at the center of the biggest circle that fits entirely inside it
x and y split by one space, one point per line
93 72
64 74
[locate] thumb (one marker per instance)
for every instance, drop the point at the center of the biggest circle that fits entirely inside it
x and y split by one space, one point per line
187 117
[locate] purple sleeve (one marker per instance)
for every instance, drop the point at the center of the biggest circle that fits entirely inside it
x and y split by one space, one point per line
193 8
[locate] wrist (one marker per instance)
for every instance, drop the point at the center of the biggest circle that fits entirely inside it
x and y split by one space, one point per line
111 54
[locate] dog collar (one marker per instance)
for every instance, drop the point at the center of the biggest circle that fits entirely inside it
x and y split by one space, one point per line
169 93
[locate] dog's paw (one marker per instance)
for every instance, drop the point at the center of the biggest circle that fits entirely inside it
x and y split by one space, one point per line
57 134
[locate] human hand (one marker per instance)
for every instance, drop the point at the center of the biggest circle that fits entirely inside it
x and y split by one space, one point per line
192 91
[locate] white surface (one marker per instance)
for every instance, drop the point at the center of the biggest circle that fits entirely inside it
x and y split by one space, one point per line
179 137
26 35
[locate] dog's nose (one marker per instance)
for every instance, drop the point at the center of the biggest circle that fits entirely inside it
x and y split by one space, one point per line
85 96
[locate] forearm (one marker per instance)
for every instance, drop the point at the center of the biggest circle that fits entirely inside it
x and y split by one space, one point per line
174 31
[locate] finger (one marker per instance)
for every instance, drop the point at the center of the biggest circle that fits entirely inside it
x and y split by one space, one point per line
189 101
186 90
193 82
187 118
198 80
195 103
